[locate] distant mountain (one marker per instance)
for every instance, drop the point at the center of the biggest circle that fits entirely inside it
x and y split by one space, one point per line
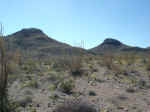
148 47
114 46
35 42
110 45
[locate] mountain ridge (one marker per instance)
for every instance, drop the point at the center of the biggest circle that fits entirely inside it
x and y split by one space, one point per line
36 41
33 39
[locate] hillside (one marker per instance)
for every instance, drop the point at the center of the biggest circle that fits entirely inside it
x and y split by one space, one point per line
114 46
35 42
103 83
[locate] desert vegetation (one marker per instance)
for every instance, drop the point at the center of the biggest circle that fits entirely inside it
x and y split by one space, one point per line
73 80
76 105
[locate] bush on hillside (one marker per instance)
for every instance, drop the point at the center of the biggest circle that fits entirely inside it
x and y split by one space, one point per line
75 105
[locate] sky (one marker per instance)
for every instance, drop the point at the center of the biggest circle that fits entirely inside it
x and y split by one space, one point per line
73 21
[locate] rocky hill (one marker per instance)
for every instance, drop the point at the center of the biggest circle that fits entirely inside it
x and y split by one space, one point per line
107 83
114 46
35 42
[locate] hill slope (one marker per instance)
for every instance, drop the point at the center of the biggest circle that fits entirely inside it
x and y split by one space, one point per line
34 42
114 46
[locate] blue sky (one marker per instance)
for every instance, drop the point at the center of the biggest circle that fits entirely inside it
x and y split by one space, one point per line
73 21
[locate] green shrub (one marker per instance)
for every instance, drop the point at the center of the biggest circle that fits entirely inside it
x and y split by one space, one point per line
52 87
130 90
24 101
54 97
142 84
92 93
67 86
32 83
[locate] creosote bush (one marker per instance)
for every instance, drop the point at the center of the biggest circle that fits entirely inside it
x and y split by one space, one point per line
76 105
67 86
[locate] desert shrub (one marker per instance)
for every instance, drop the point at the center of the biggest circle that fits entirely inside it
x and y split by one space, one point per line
100 80
93 77
33 110
130 90
54 96
75 105
67 86
130 59
52 87
55 77
109 62
117 69
24 101
17 57
13 67
122 97
14 106
92 68
61 63
12 77
28 91
30 66
142 84
92 93
75 65
148 67
147 64
32 83
126 59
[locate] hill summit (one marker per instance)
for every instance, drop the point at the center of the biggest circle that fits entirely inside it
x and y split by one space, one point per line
108 45
35 42
110 41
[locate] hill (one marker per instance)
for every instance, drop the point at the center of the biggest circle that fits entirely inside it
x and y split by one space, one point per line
114 46
35 42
